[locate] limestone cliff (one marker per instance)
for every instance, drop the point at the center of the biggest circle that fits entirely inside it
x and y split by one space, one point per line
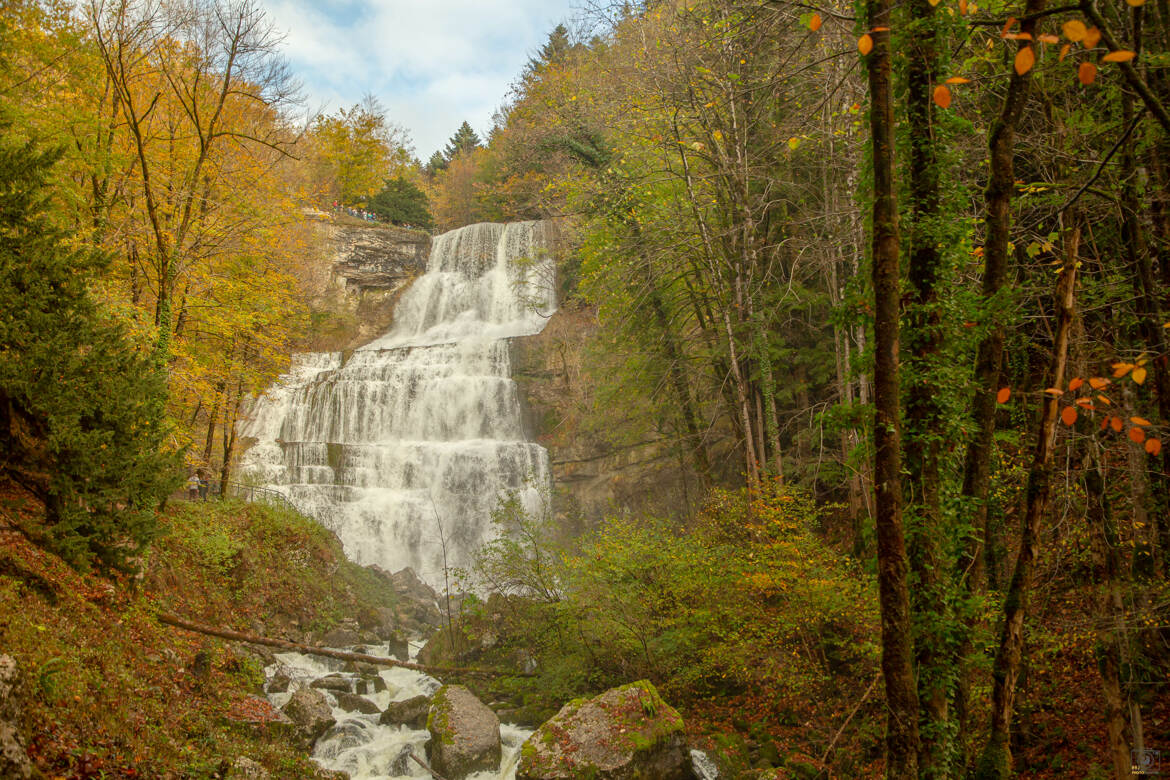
366 266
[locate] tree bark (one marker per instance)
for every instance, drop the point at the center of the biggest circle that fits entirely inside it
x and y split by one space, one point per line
894 599
989 357
996 759
328 652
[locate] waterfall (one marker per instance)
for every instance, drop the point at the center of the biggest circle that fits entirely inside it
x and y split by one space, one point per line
405 447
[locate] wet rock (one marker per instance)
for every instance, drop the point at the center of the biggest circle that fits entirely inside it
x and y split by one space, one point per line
465 734
342 636
626 733
333 682
14 761
351 702
408 712
403 765
369 684
361 667
398 647
244 768
309 710
279 682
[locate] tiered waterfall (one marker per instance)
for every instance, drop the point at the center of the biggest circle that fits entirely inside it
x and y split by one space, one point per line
405 447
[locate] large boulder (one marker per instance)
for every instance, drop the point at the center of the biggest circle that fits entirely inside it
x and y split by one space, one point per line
14 761
626 733
310 711
408 712
465 734
351 702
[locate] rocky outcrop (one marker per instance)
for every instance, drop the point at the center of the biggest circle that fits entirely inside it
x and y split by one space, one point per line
309 710
408 712
626 733
465 734
14 762
351 702
377 257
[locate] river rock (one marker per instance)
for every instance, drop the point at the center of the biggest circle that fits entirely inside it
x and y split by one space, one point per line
14 761
403 766
279 682
408 712
333 682
353 703
465 734
626 733
311 712
369 684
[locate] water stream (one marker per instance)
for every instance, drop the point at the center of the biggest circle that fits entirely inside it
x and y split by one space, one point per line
404 447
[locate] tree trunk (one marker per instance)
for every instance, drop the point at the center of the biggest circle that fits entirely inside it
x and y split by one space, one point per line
996 760
894 599
989 358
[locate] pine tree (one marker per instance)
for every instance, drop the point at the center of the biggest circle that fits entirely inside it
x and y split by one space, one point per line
434 165
464 141
403 203
81 408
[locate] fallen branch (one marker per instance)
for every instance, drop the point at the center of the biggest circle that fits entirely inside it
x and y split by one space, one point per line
841 730
427 767
328 652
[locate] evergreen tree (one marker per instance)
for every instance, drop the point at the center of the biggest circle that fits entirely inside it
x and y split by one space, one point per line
434 165
403 203
81 408
464 141
554 49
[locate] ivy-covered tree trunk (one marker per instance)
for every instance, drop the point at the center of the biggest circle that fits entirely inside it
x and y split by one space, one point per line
894 598
996 761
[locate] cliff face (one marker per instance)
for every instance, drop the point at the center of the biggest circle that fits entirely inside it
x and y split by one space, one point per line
594 474
368 267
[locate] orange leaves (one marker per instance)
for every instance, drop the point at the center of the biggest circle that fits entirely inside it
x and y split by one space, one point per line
1003 395
815 22
865 44
1076 384
1098 383
1137 435
1140 421
1092 38
942 96
961 80
1116 423
1121 55
1135 3
1074 30
1086 73
1153 446
1139 375
1069 415
1025 59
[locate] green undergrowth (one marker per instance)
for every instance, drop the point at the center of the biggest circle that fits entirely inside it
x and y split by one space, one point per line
741 610
110 692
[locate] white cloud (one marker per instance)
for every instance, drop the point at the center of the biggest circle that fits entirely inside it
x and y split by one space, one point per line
432 64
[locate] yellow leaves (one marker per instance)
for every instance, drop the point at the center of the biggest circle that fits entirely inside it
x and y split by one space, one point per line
1139 375
942 96
1074 30
1121 369
865 44
1121 55
1087 73
793 143
1025 59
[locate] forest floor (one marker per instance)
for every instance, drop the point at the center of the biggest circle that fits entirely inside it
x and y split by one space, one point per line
109 692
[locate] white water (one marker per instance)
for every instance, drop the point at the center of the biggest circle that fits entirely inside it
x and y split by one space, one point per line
413 439
366 750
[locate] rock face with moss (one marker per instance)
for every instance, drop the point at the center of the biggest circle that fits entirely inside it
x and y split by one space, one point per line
465 734
626 733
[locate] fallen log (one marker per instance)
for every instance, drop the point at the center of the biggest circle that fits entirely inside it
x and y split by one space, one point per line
328 652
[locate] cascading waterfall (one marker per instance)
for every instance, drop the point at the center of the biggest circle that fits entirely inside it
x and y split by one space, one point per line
405 448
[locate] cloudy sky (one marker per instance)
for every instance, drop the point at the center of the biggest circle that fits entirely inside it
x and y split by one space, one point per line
432 63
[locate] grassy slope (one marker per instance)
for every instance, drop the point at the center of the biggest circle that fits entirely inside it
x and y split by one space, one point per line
108 692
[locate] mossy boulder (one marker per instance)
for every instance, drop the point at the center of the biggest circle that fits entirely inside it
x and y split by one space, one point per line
407 712
465 734
626 733
311 712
